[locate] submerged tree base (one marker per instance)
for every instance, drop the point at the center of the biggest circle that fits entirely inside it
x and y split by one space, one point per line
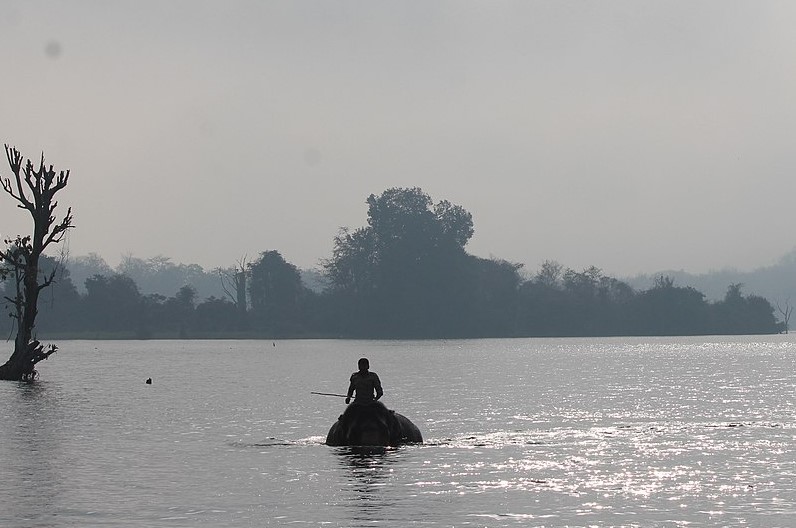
21 365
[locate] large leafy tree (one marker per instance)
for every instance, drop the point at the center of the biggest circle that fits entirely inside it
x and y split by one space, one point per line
666 309
275 291
34 190
739 314
113 304
217 315
406 273
495 298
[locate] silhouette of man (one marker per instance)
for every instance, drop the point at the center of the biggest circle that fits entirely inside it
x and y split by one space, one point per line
365 383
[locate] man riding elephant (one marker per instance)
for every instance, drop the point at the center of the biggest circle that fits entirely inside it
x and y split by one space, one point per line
365 383
367 421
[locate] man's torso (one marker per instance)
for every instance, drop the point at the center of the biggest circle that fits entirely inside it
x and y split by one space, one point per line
365 385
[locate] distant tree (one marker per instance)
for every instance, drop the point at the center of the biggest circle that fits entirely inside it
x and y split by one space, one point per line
583 284
549 274
582 289
406 273
543 310
314 280
737 314
180 309
614 299
494 310
666 309
159 275
275 291
82 267
152 315
114 304
351 275
34 190
455 221
216 316
352 267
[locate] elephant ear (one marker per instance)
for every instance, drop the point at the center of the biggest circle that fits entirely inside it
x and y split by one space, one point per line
409 432
333 438
394 428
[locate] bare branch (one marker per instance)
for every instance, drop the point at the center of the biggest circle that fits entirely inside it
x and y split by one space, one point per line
233 281
15 162
30 176
48 280
12 301
59 230
14 158
61 182
10 190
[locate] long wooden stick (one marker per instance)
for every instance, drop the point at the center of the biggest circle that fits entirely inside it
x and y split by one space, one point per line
329 394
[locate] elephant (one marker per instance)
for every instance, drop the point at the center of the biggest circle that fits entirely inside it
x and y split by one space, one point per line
372 424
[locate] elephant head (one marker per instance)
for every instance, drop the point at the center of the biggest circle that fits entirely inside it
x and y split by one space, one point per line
363 425
372 424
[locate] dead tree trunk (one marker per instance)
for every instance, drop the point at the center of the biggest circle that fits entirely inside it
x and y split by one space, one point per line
233 282
786 313
240 289
34 190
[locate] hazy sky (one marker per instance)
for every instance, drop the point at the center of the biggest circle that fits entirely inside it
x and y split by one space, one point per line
634 136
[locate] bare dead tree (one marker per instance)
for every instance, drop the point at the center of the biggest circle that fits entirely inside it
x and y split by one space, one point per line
233 282
786 312
34 190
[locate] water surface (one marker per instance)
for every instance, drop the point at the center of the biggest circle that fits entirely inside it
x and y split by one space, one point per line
530 432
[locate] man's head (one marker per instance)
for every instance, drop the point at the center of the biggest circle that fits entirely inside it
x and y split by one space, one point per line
364 364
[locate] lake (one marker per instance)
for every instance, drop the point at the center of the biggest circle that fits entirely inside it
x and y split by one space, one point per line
519 432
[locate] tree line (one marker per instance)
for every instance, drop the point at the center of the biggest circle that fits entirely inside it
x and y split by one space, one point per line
405 274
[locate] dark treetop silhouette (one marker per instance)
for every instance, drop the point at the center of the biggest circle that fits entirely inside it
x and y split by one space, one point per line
34 190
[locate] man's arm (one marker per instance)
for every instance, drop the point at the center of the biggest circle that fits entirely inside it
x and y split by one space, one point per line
377 384
350 391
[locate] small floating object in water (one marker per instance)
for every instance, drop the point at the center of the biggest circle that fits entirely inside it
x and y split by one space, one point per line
149 381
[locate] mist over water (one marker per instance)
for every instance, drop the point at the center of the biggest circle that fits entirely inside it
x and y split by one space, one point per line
544 432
